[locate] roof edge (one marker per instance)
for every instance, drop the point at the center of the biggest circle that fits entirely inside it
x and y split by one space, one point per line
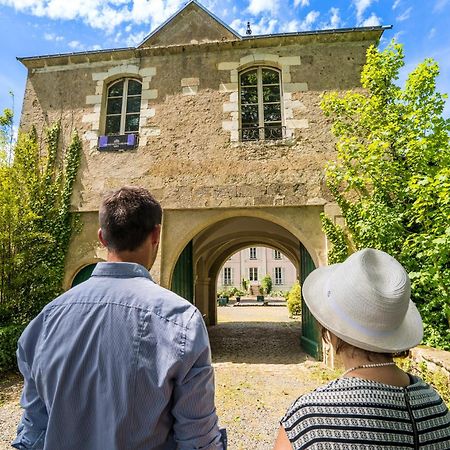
172 17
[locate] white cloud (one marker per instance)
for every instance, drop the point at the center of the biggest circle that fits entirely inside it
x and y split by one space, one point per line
102 14
302 3
405 15
432 33
53 37
310 18
361 6
135 39
440 5
396 3
96 47
258 6
265 25
76 45
372 21
334 21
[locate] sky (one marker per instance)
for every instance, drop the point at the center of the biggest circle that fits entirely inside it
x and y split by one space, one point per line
43 27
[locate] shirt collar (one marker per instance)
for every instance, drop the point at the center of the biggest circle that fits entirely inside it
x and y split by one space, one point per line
120 270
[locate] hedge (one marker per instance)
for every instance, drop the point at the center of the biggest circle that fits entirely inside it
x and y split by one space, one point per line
9 336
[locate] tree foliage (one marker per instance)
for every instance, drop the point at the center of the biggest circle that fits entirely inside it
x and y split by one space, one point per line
294 300
266 284
35 223
391 178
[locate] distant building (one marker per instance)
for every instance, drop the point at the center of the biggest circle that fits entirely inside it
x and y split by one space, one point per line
253 264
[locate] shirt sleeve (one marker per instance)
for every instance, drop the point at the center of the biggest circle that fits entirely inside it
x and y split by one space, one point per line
33 424
196 422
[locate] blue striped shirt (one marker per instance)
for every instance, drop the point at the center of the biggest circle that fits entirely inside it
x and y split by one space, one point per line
117 363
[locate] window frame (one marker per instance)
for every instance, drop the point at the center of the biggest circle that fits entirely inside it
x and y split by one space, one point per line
227 281
280 279
259 84
123 113
277 255
252 253
253 274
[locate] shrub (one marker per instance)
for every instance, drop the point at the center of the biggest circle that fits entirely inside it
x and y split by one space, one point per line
9 336
294 300
266 284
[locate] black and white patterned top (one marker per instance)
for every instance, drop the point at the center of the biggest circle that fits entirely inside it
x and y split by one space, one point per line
352 413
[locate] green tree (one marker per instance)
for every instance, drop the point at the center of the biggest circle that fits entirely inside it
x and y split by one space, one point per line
266 284
391 178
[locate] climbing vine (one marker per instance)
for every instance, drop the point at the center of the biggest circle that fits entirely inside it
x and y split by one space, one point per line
36 224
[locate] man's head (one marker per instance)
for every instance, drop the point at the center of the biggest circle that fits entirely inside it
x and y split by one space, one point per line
130 221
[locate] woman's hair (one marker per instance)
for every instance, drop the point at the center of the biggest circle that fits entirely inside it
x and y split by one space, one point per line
342 345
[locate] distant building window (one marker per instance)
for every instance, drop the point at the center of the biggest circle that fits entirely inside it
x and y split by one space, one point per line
252 252
123 106
227 276
253 273
260 104
276 254
278 275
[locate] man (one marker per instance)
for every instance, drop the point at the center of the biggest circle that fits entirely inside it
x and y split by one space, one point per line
118 362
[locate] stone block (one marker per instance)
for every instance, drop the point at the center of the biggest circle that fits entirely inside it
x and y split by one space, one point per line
230 125
93 99
90 118
229 65
297 123
295 87
148 113
290 60
234 97
234 76
149 94
148 72
99 76
190 90
132 69
230 107
228 87
185 82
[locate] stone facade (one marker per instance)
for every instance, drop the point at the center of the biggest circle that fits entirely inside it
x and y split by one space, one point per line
189 155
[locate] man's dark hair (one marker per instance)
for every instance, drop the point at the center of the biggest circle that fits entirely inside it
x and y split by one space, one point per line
127 217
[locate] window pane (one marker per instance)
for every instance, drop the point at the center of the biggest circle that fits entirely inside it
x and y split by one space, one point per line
249 78
249 95
133 104
250 114
270 76
134 87
112 125
132 122
271 94
114 106
116 90
273 132
272 112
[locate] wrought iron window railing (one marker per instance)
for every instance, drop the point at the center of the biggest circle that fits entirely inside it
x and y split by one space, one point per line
266 133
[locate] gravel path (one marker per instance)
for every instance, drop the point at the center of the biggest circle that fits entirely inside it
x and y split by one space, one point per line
260 370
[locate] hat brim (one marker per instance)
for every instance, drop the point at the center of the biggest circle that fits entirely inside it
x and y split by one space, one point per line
407 335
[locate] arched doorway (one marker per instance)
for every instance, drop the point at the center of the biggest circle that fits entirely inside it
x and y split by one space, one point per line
199 263
83 274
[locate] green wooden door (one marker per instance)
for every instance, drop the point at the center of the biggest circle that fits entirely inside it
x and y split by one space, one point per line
183 275
310 340
84 274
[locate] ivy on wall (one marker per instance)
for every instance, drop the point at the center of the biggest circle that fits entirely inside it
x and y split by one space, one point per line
36 225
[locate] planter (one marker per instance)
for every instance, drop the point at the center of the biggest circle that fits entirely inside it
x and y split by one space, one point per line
260 298
222 301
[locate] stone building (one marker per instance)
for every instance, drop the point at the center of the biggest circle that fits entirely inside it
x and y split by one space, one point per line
225 130
252 264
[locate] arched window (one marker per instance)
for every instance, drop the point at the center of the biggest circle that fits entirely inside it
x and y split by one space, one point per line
260 104
123 106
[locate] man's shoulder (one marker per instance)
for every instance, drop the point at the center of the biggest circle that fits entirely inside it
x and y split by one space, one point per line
141 293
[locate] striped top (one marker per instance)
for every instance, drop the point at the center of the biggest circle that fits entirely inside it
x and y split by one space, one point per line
352 413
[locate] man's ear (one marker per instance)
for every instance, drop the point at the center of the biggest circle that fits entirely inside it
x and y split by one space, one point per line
101 238
156 235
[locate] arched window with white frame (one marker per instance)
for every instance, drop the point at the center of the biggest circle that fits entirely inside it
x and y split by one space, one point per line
123 107
260 104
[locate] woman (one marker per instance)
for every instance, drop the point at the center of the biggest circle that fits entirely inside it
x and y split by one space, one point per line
365 308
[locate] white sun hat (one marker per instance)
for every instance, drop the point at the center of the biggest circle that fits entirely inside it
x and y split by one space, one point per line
366 302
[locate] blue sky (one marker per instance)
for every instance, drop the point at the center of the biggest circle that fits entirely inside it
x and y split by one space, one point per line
40 27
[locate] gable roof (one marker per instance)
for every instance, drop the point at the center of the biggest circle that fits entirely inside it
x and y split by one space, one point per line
191 24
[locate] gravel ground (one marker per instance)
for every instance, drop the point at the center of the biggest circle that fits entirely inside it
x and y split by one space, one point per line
260 370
